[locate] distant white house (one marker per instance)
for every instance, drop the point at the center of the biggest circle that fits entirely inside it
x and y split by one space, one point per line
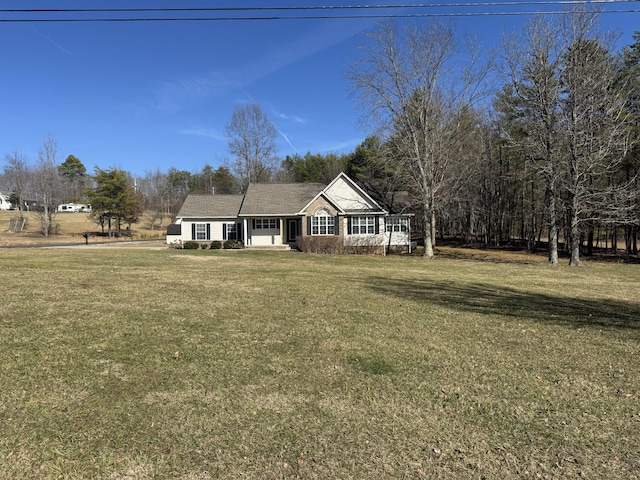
74 207
5 204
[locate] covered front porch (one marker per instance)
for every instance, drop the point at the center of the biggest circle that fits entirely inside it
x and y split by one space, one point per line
272 232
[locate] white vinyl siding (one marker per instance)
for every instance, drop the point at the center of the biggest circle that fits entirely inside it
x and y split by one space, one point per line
265 231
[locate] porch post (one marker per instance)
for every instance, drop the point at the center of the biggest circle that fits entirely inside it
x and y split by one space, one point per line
247 239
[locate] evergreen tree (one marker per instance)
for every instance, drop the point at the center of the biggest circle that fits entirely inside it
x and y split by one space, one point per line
113 200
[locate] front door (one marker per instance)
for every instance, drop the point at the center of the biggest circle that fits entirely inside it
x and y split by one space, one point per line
292 229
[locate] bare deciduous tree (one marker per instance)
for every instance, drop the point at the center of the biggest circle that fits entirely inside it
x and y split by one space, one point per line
17 173
533 62
418 86
597 130
156 190
47 183
251 139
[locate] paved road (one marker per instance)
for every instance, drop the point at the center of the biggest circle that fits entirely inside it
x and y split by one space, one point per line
156 243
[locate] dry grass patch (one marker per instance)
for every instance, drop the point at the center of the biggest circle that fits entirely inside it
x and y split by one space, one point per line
305 366
69 229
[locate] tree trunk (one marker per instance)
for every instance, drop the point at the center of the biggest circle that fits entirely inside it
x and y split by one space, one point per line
428 227
553 234
574 232
45 221
590 235
433 226
428 244
553 220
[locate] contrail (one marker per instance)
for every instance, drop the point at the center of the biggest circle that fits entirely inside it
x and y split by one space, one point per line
246 93
45 37
286 139
276 127
49 40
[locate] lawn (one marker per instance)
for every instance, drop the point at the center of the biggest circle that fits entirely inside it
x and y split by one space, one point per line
139 364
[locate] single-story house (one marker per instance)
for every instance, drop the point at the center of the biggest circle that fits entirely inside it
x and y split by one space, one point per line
281 215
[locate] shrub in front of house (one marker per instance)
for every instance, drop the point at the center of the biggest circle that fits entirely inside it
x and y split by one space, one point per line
321 244
233 245
191 245
335 246
216 245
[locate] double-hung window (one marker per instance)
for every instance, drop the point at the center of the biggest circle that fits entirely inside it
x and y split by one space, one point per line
201 231
323 223
397 224
363 225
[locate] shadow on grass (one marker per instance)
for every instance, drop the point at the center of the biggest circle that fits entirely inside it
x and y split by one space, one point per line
495 300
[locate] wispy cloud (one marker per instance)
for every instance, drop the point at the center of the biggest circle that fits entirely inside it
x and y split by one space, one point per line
339 146
130 109
288 118
172 95
204 132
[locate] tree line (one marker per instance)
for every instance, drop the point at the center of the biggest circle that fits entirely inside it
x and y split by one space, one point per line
119 198
535 145
550 155
42 186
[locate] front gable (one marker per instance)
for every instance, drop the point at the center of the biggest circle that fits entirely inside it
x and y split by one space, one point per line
322 201
346 197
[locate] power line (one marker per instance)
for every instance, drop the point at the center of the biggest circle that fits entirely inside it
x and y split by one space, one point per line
315 7
321 8
296 17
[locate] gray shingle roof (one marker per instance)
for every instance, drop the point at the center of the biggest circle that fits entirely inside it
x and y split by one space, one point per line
226 206
278 198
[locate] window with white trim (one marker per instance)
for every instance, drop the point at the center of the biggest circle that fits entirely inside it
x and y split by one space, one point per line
363 225
265 223
201 231
323 223
397 224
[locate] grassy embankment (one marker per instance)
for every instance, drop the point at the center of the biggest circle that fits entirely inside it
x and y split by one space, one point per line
122 364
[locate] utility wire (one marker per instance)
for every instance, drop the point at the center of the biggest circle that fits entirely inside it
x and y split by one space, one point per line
320 8
297 17
315 7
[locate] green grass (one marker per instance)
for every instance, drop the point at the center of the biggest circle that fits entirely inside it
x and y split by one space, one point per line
134 364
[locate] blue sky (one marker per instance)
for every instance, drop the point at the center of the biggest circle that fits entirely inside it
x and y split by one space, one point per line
154 95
